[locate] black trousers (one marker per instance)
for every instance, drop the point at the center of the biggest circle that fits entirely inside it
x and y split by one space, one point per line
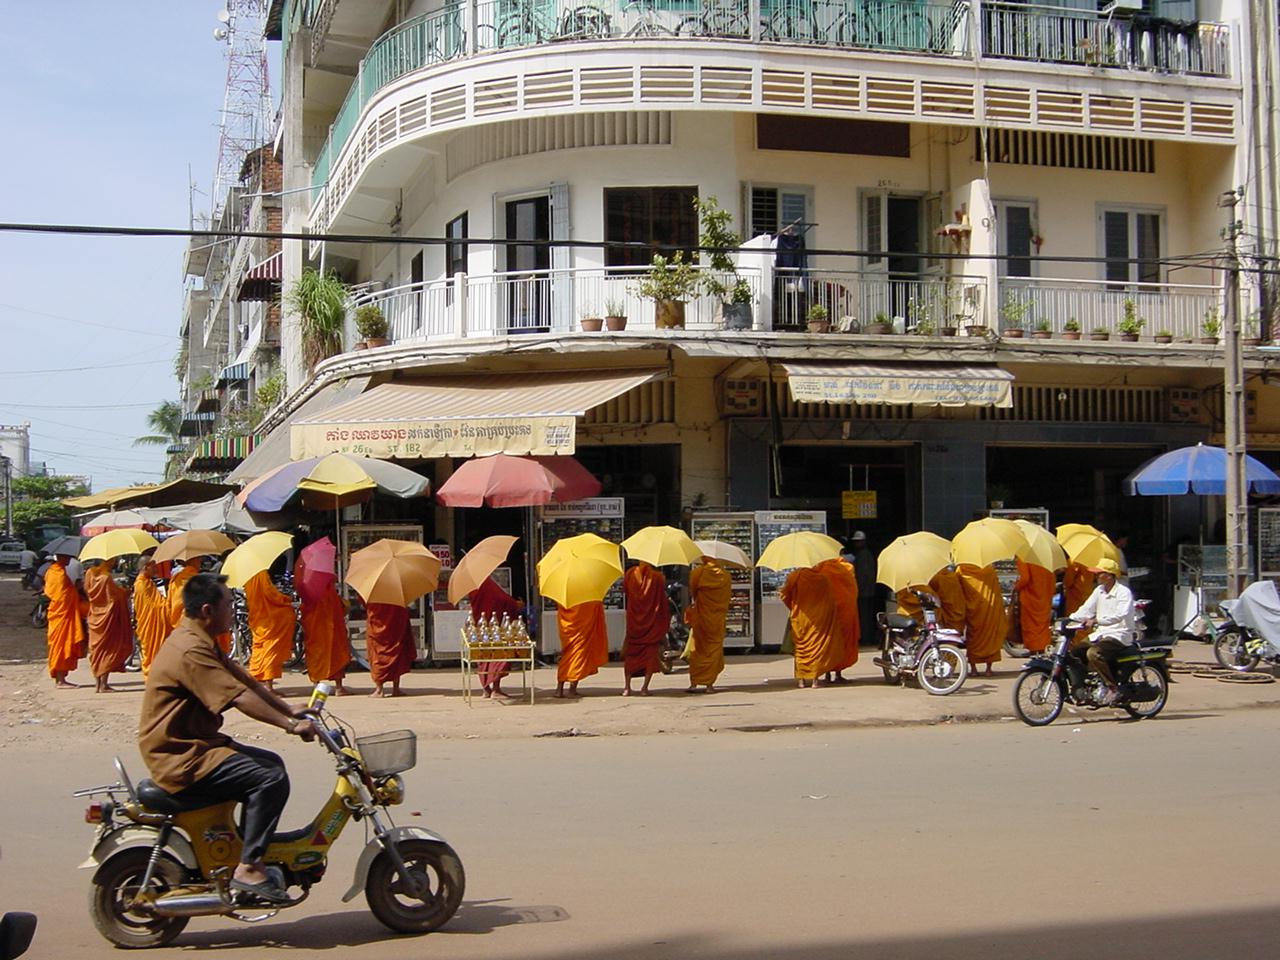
258 780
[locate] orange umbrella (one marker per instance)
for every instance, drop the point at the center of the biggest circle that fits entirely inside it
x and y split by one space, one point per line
480 561
194 543
393 571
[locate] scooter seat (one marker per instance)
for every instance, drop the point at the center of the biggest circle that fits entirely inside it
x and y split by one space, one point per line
293 836
897 621
154 798
1155 643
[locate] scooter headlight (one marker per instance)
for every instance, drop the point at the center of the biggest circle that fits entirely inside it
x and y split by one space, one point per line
389 790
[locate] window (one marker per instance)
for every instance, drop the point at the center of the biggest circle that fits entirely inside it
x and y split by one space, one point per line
1015 242
773 209
1131 245
455 254
657 219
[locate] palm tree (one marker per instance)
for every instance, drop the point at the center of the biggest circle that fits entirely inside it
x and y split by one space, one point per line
166 421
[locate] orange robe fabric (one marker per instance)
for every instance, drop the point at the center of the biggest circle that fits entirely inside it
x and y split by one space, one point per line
110 632
1077 584
490 600
390 641
909 606
986 625
272 620
324 625
584 641
151 619
815 623
648 619
710 589
844 588
176 610
1035 588
65 632
952 604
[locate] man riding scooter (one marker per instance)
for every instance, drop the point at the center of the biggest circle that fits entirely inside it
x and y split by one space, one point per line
1108 613
190 685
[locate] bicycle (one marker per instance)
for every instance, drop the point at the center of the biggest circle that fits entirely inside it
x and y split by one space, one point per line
646 23
716 20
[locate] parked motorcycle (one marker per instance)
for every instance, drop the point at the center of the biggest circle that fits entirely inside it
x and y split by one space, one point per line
1251 633
677 630
934 656
1062 675
158 862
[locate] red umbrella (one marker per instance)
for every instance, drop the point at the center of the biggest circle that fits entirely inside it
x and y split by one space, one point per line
318 573
502 480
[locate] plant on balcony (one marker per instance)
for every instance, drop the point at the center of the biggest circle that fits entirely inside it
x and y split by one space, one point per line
271 391
1100 332
320 300
1164 335
1071 329
591 319
881 324
1130 324
1043 329
723 280
371 325
615 315
1013 316
1252 329
817 319
669 283
1211 325
920 317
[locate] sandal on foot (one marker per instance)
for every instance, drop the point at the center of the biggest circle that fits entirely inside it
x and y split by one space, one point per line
268 891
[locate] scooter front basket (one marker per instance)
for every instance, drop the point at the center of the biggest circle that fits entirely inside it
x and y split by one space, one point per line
387 753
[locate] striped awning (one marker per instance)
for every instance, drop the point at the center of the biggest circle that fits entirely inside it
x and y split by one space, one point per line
926 384
223 449
235 373
262 281
529 413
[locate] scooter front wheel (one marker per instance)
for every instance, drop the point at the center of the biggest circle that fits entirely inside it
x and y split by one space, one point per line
436 868
1037 698
114 888
943 669
1231 650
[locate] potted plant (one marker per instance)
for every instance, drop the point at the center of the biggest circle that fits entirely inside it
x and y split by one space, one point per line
1130 324
723 281
615 315
1013 316
371 325
669 283
1252 329
591 320
1071 329
817 319
320 300
919 318
1211 325
1100 333
1043 330
1164 336
881 324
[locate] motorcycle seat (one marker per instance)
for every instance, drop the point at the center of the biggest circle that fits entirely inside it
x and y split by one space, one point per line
897 621
154 798
293 836
1155 643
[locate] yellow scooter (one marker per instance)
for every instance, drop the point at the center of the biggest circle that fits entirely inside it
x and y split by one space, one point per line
158 863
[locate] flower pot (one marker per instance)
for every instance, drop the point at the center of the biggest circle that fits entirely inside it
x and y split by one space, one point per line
1013 333
668 314
591 324
359 345
1206 340
736 316
947 331
1041 334
1070 334
1164 338
372 342
1100 335
976 329
1129 337
818 326
615 323
1250 341
877 328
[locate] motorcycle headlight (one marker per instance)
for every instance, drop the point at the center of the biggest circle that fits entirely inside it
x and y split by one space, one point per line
389 790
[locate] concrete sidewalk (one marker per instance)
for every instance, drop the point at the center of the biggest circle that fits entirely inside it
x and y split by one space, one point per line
754 693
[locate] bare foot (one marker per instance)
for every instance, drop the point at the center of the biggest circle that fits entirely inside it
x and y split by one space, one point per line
502 694
989 671
692 690
377 692
65 685
487 693
644 693
626 691
711 688
341 691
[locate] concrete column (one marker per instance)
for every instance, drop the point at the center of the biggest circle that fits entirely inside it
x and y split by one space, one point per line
953 482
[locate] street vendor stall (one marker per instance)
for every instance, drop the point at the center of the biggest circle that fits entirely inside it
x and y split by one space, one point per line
599 515
771 524
739 530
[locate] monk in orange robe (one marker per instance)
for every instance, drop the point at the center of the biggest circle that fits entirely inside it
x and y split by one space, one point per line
272 620
815 625
1035 588
490 600
648 619
150 613
174 593
844 589
584 644
64 629
110 632
324 627
390 646
710 589
1077 585
909 604
945 585
985 622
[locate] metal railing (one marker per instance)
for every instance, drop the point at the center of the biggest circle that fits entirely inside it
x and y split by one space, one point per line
856 299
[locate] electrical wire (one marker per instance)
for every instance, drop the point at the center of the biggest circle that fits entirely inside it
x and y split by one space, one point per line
88 323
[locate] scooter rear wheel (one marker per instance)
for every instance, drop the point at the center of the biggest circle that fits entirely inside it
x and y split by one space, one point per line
434 864
1230 650
1037 698
1153 676
116 884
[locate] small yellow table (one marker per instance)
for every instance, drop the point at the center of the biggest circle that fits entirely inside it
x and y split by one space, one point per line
506 651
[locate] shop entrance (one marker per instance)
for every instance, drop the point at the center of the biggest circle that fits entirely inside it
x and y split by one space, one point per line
814 477
646 476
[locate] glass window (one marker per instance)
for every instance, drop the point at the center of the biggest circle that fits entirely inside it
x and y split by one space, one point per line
1131 246
657 219
455 254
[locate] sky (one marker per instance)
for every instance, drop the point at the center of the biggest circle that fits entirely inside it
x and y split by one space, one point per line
106 104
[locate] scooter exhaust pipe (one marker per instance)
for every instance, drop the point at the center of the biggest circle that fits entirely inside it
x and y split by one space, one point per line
191 905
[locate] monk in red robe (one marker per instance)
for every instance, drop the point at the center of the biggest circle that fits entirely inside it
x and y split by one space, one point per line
65 629
490 600
986 624
273 622
324 627
390 646
648 620
584 644
110 632
844 589
816 631
1035 588
150 613
710 590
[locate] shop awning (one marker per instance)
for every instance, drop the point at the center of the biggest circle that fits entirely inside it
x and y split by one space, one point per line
926 384
262 281
234 373
182 490
529 413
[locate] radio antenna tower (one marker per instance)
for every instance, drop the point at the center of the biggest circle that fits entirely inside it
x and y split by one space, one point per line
243 125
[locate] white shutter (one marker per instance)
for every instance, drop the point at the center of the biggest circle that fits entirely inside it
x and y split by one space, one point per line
875 227
562 306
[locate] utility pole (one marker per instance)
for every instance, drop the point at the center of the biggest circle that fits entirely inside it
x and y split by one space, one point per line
7 466
1233 406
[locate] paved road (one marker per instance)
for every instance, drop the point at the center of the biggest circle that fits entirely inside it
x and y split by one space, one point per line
1099 839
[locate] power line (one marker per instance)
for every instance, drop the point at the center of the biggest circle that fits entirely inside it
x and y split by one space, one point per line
81 406
89 323
96 366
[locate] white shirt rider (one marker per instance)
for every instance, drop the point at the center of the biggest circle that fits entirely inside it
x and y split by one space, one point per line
1110 607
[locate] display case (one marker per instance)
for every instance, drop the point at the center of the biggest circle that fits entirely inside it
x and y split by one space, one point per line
1202 581
357 536
739 530
447 618
604 517
1269 543
771 524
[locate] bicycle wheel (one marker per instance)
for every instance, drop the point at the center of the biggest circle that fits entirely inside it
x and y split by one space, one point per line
692 27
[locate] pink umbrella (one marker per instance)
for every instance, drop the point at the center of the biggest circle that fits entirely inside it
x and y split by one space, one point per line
502 480
318 573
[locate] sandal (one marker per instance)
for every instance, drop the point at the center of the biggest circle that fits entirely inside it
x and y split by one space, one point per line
268 891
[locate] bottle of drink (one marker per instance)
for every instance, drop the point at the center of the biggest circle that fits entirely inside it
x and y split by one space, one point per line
320 694
504 628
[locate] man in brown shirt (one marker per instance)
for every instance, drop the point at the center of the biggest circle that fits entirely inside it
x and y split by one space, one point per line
191 684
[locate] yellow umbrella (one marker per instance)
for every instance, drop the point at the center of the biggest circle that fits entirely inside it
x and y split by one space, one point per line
725 554
662 547
194 543
987 541
912 560
393 571
579 569
805 548
253 556
325 495
1087 549
480 561
117 543
1069 530
1045 551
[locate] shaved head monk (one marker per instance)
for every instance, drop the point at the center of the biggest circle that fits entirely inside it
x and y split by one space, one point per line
648 619
584 644
110 631
65 631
